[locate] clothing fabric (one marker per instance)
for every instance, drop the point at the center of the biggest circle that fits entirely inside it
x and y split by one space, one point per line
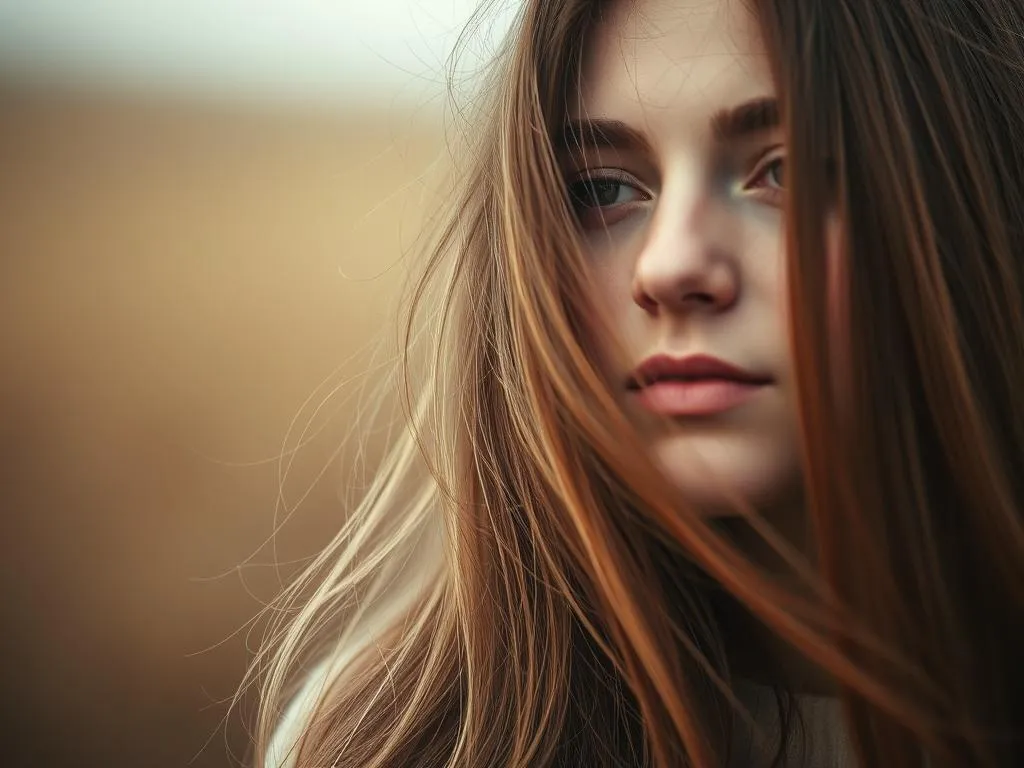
819 737
819 741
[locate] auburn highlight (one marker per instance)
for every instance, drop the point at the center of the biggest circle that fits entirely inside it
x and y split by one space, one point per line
519 587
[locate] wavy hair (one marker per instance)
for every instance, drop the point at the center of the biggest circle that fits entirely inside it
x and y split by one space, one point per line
546 602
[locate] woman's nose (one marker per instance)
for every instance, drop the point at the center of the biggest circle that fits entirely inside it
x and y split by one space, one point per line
684 265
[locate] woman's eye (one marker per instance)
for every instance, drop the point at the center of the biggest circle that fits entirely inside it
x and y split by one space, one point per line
596 192
774 173
768 184
771 175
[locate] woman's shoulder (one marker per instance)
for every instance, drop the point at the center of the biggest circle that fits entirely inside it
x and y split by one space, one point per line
321 677
384 615
284 743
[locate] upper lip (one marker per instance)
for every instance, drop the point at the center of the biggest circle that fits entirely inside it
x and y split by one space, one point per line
690 368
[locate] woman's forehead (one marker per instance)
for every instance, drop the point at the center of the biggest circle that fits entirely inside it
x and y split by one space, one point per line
662 54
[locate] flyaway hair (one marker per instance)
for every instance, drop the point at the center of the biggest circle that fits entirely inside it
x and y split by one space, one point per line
536 595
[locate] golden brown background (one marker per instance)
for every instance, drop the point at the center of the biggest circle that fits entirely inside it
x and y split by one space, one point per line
177 278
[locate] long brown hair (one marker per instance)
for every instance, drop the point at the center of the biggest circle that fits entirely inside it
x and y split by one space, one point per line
558 613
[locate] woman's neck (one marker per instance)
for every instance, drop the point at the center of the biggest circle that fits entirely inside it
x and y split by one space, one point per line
755 652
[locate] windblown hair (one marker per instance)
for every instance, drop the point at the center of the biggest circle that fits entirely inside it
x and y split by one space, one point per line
558 612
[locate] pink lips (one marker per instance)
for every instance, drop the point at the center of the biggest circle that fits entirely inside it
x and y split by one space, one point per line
697 385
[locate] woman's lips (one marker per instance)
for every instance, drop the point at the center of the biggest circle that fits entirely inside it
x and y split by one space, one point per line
698 397
696 385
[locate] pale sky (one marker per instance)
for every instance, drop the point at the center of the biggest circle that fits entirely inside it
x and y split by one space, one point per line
321 50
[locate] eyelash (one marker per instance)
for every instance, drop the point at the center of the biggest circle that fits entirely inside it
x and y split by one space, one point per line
618 210
771 160
621 178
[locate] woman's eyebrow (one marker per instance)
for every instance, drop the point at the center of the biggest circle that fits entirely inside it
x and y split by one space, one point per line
730 124
600 134
746 119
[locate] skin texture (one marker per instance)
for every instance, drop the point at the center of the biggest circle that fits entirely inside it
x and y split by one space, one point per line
685 238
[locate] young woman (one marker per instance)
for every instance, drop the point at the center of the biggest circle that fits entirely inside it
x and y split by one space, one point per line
718 455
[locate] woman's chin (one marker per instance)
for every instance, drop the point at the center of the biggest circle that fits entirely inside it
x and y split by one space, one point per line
721 477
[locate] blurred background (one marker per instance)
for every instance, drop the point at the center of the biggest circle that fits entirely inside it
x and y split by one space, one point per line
206 208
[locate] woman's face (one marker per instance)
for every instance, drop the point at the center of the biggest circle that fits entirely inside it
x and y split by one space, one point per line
675 165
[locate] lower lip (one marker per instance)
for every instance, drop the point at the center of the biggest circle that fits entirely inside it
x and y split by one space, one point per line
704 397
